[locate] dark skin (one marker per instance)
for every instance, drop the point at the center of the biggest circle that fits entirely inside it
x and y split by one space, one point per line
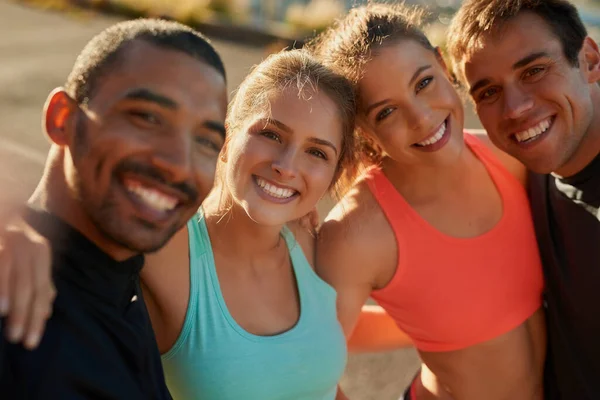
131 167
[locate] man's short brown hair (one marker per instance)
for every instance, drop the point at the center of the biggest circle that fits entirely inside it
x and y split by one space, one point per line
476 18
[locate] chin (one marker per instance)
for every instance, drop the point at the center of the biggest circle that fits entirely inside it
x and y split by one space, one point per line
268 217
138 236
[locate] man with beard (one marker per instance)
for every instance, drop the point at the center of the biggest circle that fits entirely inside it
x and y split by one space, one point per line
135 133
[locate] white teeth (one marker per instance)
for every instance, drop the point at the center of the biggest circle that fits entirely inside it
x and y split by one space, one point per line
533 132
435 138
273 190
152 197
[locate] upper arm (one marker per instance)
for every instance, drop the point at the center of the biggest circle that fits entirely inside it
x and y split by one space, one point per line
514 166
351 256
166 289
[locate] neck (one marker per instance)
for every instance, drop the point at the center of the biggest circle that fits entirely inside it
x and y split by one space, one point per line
54 195
234 231
589 147
424 182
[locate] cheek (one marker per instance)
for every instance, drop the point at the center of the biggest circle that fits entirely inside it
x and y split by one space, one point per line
450 99
205 168
487 115
319 179
247 152
392 136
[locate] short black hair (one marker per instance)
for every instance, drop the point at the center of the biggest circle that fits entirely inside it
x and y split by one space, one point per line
105 49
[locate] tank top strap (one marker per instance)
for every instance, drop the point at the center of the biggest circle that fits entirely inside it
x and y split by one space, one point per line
505 181
485 154
394 206
201 284
300 264
197 229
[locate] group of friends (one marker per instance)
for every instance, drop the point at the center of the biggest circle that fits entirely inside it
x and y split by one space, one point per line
171 247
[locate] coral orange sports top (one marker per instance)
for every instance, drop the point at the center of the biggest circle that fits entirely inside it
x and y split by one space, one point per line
450 293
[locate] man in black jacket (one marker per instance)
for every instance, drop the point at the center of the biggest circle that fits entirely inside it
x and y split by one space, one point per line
135 133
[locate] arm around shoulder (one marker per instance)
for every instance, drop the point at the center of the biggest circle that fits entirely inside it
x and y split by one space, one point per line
343 261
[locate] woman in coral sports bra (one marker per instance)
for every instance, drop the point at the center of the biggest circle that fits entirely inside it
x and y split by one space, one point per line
438 229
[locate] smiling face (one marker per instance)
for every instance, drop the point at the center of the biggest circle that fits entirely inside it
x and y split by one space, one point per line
408 104
283 160
534 104
144 149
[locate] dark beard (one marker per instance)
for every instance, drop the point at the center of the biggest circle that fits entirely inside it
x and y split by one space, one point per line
104 214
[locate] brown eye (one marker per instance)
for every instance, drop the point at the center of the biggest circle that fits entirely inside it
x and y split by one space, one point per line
533 71
383 114
488 93
424 83
146 117
206 142
318 153
271 135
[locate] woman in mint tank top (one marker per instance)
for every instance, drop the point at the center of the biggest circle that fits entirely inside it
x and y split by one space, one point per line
239 312
236 307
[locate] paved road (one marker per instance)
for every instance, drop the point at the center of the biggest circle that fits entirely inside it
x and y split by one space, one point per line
37 50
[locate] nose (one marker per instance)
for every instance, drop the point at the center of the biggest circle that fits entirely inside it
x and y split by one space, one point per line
418 116
284 166
173 156
516 102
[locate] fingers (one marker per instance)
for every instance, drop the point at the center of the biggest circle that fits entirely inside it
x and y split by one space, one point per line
26 284
43 298
40 311
5 268
21 298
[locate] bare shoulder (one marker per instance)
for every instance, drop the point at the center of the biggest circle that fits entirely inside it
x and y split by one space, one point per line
166 288
514 166
356 241
175 252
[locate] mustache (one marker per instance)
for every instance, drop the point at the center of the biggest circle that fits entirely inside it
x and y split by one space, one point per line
129 166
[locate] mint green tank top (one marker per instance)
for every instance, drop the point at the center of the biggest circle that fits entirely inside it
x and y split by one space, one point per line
214 358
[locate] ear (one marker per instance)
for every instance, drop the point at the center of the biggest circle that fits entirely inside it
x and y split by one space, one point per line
589 58
59 117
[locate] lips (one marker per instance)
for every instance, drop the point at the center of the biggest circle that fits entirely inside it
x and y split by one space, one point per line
274 192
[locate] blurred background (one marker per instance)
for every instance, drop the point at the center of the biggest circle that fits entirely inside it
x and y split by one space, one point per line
41 39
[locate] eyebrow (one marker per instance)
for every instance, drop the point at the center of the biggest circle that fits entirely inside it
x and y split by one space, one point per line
152 97
478 85
519 64
418 72
278 124
528 59
287 129
323 142
375 105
